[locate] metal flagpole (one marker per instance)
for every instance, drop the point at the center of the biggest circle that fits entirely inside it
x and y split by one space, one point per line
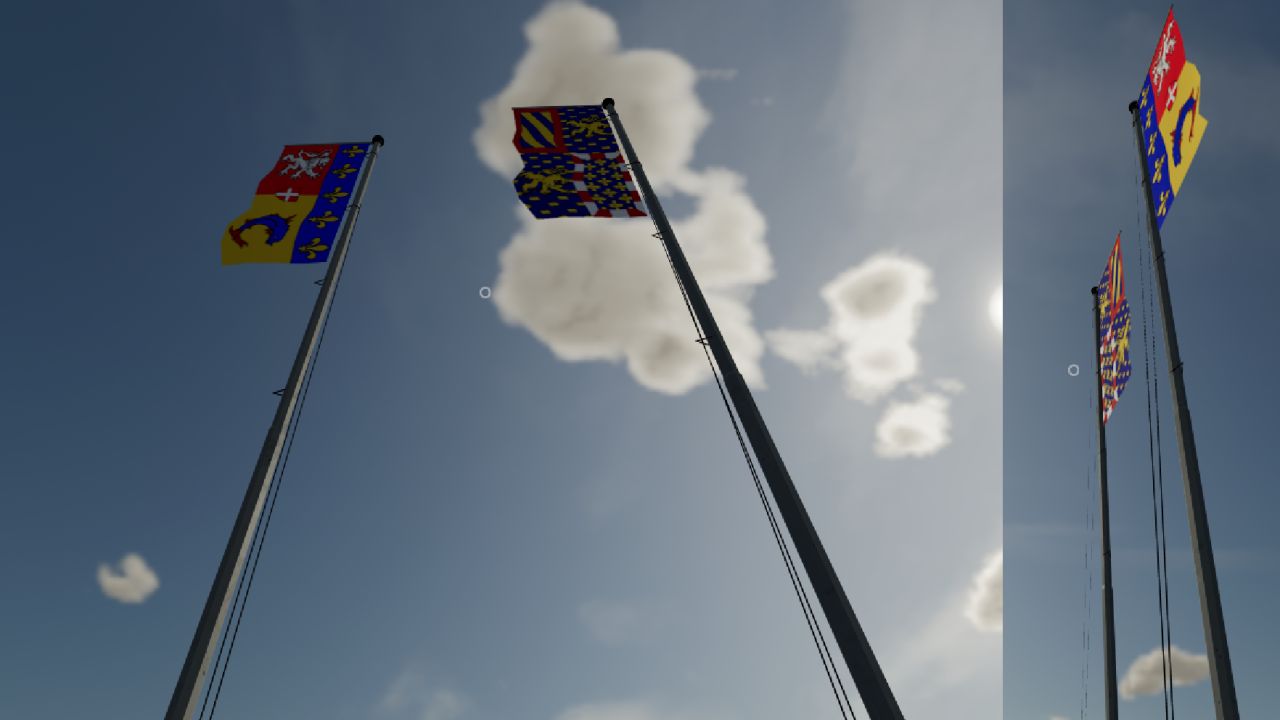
187 691
872 685
1215 629
1108 603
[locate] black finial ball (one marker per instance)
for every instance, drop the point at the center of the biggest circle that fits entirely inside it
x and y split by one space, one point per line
377 140
1133 106
607 104
1094 291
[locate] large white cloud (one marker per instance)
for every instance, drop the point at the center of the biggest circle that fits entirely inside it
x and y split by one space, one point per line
916 429
985 608
134 582
1144 676
594 289
875 310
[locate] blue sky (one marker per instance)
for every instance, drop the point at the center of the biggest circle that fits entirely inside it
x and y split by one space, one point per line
1071 184
472 525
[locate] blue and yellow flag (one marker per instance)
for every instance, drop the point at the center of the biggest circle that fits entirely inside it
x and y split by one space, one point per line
572 164
300 204
1172 124
1113 332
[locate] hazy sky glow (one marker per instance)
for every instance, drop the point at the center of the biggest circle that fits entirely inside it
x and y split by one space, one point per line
528 504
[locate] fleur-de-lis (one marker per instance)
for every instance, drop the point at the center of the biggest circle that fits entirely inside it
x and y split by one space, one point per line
1151 143
336 195
1164 204
342 172
324 219
313 249
353 151
1159 173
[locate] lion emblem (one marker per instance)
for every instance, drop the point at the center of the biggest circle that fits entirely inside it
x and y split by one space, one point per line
305 163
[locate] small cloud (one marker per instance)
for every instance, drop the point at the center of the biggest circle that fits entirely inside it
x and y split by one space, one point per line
950 385
443 705
610 624
808 349
409 693
916 429
1145 675
718 74
876 308
405 687
985 608
135 581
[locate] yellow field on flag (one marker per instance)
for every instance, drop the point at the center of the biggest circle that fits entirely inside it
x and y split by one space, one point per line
271 239
1182 125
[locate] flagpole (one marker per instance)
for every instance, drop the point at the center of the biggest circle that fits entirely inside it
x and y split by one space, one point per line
1215 629
872 685
187 691
1108 601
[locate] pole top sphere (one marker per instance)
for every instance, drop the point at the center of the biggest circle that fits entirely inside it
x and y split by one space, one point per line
1133 106
377 140
607 104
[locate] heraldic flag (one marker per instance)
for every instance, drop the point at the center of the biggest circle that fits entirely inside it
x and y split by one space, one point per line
572 164
1169 110
1113 329
299 207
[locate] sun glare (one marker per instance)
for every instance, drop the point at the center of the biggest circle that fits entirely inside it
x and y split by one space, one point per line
996 308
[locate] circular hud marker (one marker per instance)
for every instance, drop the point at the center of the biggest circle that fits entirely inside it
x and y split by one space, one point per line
485 292
1073 370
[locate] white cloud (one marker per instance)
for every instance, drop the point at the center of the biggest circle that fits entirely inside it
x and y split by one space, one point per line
875 310
410 696
950 385
985 608
593 289
917 429
443 705
809 349
134 583
943 652
611 624
1144 676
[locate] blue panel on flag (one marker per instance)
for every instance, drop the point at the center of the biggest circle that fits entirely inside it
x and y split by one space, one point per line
1157 156
318 232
